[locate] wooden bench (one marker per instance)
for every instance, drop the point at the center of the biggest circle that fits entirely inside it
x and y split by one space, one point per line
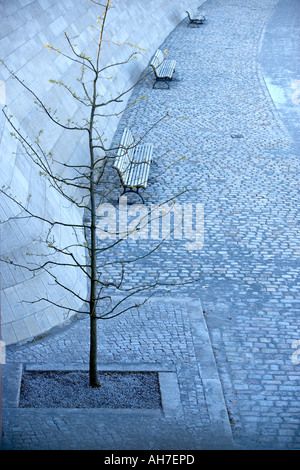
163 68
195 17
133 163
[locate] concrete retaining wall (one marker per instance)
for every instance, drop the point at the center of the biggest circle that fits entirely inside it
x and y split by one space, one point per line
24 26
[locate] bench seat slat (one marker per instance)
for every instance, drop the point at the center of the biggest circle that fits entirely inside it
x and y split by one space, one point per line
140 166
166 69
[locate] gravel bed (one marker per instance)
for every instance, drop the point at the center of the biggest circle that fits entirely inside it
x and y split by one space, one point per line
70 389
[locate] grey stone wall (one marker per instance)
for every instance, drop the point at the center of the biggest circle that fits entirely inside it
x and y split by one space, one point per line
25 25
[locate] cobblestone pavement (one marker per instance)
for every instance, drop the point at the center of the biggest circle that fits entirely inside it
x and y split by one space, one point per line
227 139
233 145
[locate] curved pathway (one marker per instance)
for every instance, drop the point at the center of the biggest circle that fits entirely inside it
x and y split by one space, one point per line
237 149
280 62
232 144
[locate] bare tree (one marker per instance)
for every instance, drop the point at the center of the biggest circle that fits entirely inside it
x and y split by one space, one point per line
79 186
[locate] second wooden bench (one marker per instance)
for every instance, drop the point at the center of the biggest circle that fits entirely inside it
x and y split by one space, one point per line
195 17
163 68
133 163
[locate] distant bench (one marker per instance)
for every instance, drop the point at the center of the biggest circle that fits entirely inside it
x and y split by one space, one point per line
195 17
163 68
133 163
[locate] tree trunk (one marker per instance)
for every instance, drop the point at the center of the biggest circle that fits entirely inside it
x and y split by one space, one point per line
93 372
93 295
93 282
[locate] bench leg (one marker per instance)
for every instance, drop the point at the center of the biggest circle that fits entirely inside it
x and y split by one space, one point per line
140 195
130 190
195 22
161 80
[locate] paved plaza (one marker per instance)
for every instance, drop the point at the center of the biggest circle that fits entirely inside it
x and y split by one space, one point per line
227 331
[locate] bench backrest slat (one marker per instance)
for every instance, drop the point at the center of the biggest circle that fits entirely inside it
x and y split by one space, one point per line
157 59
193 13
125 152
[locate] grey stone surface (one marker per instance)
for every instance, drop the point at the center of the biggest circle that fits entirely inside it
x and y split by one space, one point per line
171 400
12 375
